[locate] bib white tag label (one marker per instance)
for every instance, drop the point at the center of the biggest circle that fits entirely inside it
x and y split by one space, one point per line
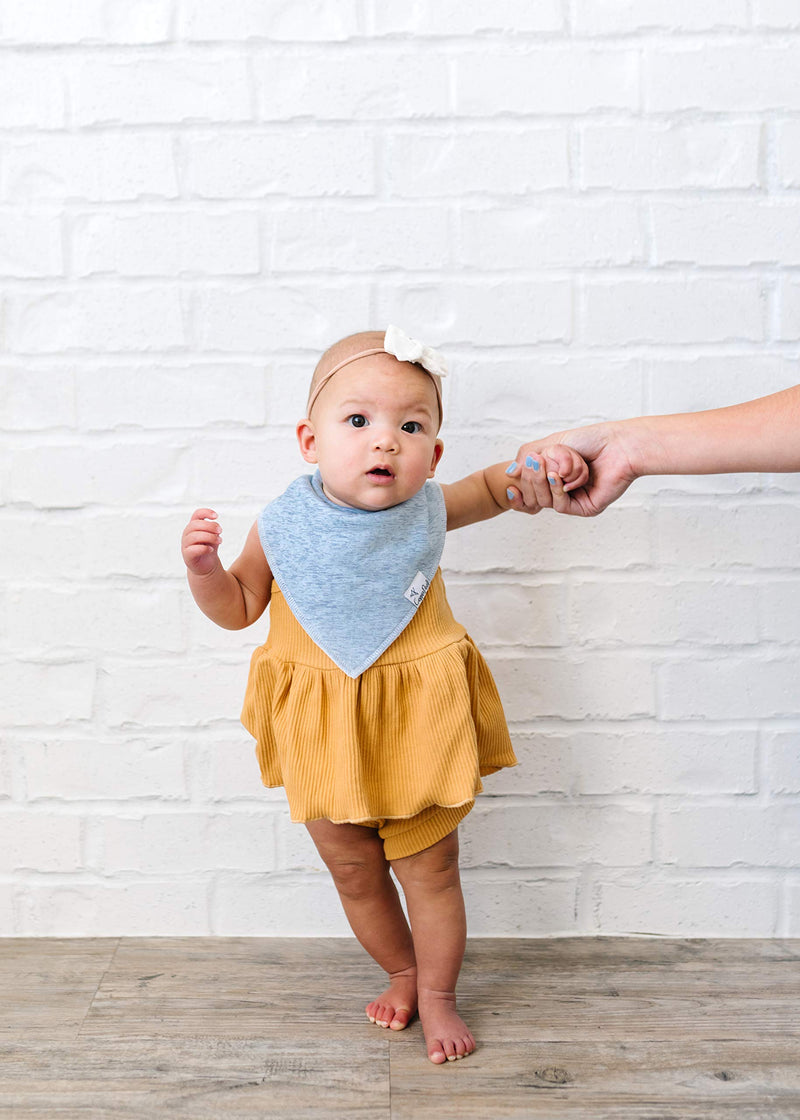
416 592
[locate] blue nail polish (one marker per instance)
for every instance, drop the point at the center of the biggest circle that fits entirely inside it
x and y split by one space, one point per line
511 468
510 495
528 461
551 480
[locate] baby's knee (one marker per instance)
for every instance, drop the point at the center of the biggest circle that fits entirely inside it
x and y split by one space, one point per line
356 879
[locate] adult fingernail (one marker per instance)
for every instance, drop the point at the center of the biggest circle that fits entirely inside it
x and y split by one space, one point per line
510 495
551 480
511 468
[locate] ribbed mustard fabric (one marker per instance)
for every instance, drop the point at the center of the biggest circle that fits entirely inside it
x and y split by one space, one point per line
418 728
405 836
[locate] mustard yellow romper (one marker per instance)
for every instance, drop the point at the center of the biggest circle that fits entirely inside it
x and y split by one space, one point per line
401 748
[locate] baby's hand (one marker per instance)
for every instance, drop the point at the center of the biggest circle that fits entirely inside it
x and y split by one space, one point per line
200 542
557 470
567 465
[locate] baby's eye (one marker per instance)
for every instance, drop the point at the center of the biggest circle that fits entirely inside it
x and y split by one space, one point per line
357 420
412 426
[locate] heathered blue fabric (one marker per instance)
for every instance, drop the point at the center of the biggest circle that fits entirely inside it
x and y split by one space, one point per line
344 572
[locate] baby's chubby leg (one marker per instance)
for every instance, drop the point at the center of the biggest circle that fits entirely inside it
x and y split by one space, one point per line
355 858
432 886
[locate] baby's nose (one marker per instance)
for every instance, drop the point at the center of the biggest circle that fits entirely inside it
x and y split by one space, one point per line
384 440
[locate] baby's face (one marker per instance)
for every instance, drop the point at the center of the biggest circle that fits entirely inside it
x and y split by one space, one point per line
373 433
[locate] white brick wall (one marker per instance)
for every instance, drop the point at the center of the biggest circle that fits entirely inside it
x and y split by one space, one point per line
594 205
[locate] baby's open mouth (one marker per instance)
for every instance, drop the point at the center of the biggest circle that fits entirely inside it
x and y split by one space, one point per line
383 472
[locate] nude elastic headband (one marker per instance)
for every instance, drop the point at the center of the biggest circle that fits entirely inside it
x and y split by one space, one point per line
397 343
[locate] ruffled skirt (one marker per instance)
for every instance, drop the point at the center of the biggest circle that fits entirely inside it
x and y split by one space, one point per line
419 728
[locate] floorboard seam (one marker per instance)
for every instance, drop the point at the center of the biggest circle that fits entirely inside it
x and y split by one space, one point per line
105 973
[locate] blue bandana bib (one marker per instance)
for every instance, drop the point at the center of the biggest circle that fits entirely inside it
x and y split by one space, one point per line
352 578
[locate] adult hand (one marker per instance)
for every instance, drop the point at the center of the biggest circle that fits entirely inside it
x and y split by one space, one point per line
605 449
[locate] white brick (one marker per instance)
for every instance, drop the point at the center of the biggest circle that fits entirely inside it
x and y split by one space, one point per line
296 849
91 908
670 311
498 161
318 20
552 235
520 907
749 76
32 92
780 611
70 476
488 312
226 770
6 774
693 384
116 769
171 693
701 233
545 81
599 17
600 687
283 906
99 545
86 21
466 17
8 927
270 316
671 155
111 167
296 163
790 309
254 472
326 236
30 246
47 693
31 400
733 687
492 612
782 761
169 843
731 835
156 91
541 393
662 761
697 907
789 150
551 543
353 85
167 244
710 537
652 612
112 319
68 619
186 396
776 13
555 836
33 841
793 909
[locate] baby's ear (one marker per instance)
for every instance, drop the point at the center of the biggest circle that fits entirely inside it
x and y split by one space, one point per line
438 451
307 440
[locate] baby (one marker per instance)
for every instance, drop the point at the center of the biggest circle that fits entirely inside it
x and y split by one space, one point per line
369 702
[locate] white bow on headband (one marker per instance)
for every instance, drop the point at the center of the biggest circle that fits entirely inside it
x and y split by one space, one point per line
406 349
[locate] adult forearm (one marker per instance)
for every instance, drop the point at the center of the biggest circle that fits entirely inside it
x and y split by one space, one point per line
761 435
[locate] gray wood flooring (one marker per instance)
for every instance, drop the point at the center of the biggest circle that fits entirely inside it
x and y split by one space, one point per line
596 1029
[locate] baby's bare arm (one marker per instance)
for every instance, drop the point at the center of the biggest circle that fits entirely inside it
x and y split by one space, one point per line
233 598
486 493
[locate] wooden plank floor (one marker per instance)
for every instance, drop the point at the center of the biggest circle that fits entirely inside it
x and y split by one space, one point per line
596 1029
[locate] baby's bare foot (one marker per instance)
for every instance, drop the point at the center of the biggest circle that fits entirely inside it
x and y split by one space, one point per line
446 1034
396 1007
